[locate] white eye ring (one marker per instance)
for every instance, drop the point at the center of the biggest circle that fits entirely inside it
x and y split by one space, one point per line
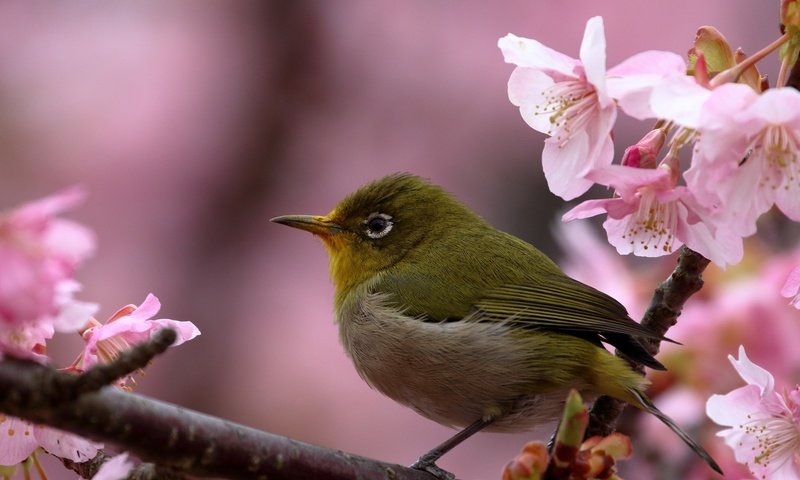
377 225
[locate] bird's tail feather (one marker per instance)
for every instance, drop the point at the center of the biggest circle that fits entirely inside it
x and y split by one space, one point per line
647 405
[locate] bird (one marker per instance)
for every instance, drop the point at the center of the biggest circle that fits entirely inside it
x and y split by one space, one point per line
468 325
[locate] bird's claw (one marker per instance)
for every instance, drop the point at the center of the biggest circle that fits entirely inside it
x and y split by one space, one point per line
429 466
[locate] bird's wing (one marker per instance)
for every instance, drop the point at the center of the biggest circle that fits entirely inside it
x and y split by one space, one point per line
559 303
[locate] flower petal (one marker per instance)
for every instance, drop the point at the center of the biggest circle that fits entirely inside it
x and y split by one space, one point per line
679 98
593 56
791 289
565 165
16 440
752 373
526 88
66 445
525 52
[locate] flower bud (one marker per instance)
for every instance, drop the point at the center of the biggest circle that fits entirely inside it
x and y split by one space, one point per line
790 15
528 465
643 154
718 53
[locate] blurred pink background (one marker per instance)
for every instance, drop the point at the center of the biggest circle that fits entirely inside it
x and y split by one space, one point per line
191 123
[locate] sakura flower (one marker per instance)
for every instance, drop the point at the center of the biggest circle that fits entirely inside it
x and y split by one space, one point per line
791 289
39 254
115 469
575 101
764 425
19 440
746 159
650 216
129 326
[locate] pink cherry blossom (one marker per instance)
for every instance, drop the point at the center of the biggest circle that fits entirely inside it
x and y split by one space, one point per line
19 439
39 254
746 159
115 469
791 289
575 101
131 325
650 216
764 425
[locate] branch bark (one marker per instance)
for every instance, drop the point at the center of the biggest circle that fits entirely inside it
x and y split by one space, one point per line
663 312
178 438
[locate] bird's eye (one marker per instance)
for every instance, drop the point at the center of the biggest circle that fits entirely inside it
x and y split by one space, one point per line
378 225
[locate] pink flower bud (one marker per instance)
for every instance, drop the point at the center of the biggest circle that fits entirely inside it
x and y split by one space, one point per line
643 154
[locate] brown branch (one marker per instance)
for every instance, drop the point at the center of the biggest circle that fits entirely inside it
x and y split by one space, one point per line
663 312
175 437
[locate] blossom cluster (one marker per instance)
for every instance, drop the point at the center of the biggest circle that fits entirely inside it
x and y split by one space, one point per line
744 138
739 142
40 253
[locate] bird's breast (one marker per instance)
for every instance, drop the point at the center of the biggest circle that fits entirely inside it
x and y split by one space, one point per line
452 372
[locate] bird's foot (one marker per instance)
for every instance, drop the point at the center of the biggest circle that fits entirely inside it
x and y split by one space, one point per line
428 465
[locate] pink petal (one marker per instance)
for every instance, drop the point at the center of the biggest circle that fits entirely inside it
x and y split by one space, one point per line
69 240
525 52
792 286
526 88
16 440
185 330
593 57
752 373
148 308
778 106
650 63
632 82
640 241
115 469
733 408
787 195
679 98
39 211
589 208
66 445
628 180
565 165
723 138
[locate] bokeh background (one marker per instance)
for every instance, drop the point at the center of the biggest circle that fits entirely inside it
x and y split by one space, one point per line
193 122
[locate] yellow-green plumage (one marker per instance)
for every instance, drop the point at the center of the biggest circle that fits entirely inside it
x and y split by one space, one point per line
460 321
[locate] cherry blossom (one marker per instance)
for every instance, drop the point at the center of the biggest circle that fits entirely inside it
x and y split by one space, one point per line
39 253
129 326
764 425
650 216
575 101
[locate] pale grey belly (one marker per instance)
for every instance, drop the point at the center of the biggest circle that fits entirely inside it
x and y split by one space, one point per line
455 372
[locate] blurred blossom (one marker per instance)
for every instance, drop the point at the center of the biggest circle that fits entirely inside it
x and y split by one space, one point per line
575 101
592 261
39 254
791 289
765 424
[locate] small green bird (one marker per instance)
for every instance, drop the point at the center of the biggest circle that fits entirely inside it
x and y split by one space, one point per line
469 326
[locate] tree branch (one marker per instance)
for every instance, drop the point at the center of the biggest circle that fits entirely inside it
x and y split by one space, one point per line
175 437
663 312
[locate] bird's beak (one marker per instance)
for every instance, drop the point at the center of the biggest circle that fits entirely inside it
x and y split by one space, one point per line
316 224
